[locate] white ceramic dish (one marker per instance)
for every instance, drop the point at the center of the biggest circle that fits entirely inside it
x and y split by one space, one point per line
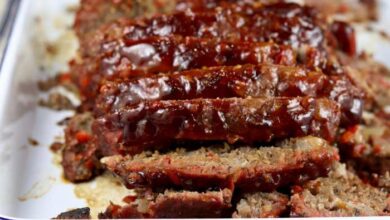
31 185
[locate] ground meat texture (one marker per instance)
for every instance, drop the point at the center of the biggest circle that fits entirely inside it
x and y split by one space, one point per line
340 195
79 159
239 81
246 169
168 54
82 213
156 124
288 24
261 205
174 204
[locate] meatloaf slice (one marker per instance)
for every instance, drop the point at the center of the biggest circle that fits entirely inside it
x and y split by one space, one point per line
126 59
302 28
261 205
264 80
244 168
341 194
174 204
152 125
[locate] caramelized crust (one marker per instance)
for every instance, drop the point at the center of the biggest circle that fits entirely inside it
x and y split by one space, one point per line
246 169
155 124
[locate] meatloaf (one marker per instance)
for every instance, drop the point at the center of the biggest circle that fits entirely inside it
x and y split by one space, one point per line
341 194
152 125
262 205
244 168
173 204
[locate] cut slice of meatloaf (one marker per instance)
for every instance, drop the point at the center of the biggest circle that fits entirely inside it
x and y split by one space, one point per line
264 80
152 125
341 194
173 204
244 168
262 205
303 28
153 55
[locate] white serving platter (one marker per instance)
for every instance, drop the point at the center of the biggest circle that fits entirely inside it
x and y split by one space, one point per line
31 184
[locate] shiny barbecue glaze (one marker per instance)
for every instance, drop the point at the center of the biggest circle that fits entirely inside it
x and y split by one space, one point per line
155 124
239 81
167 54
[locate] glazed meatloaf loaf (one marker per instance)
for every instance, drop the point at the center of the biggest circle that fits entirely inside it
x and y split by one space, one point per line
341 194
244 168
262 205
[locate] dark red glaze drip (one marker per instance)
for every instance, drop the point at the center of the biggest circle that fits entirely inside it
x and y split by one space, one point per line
150 125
